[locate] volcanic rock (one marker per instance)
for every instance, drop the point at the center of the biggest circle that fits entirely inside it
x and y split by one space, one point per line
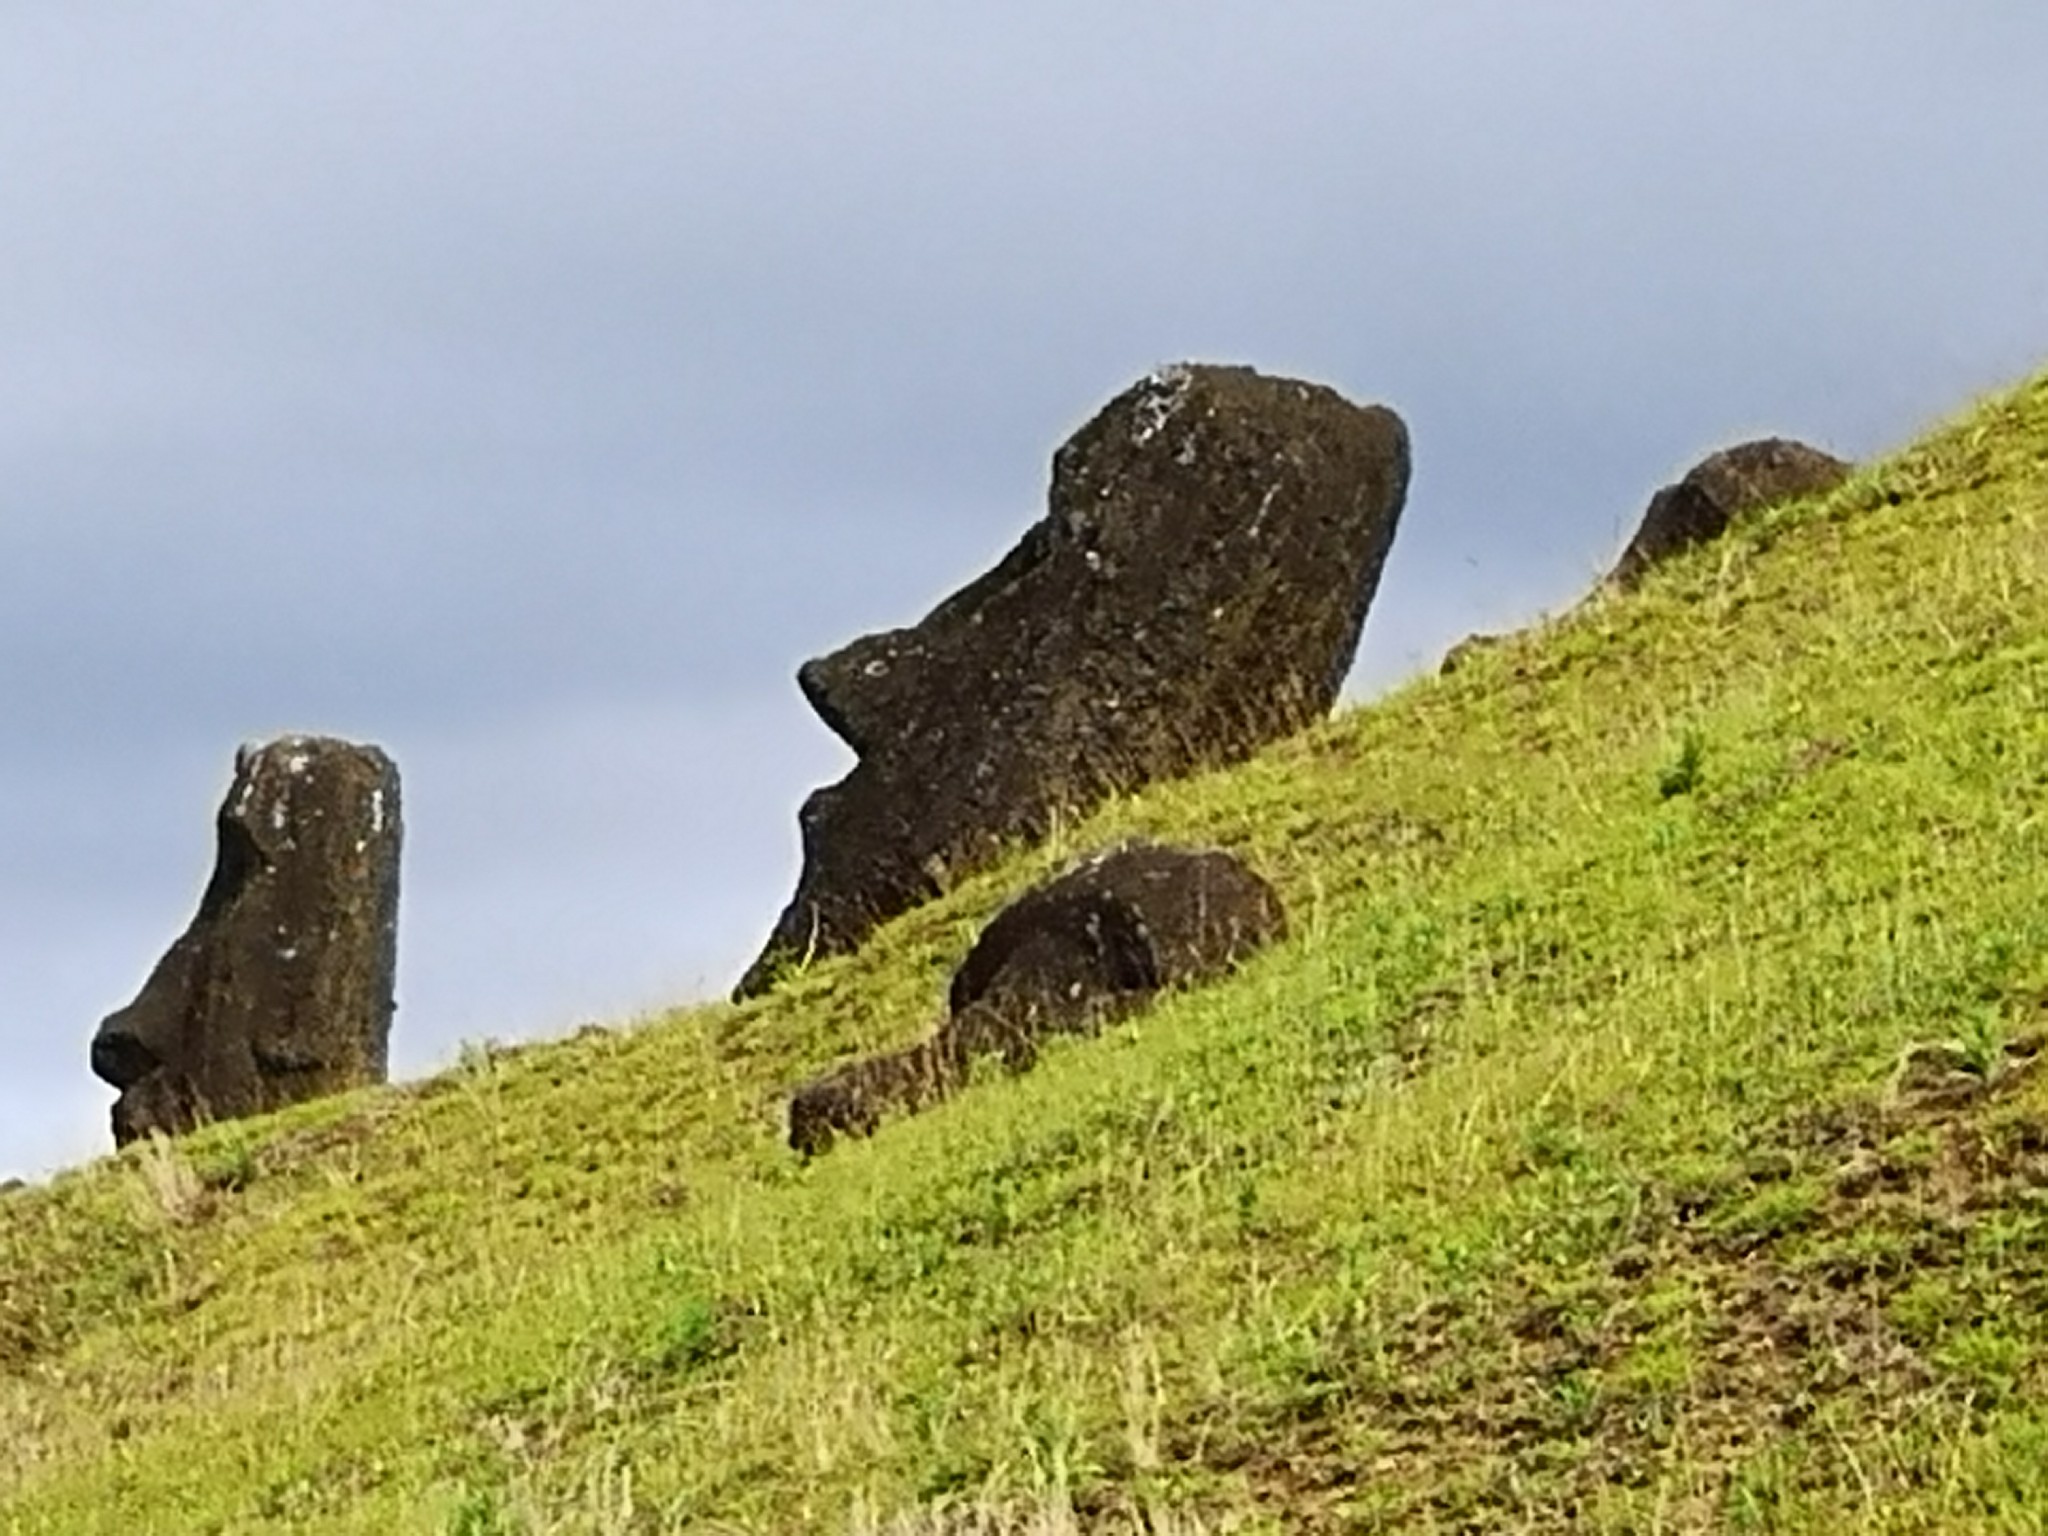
1720 488
1066 957
281 988
1213 540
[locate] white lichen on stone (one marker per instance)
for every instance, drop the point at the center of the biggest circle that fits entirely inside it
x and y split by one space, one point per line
376 811
1160 393
1265 506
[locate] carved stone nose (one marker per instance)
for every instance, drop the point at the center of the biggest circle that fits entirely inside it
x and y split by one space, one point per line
119 1055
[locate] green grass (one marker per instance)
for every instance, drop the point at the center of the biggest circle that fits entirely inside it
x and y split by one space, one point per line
1641 1131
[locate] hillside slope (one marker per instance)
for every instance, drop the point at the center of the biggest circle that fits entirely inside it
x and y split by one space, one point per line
1641 1131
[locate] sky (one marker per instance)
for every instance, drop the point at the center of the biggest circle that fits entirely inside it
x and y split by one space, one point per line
528 388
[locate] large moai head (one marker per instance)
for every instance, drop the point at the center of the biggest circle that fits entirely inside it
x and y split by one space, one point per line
1213 540
281 989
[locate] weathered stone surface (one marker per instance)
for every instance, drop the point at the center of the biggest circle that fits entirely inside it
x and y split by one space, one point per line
1124 923
853 1100
1720 488
1213 541
281 988
1064 958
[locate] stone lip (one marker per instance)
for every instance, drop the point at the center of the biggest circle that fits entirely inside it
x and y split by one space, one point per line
1089 946
281 988
1213 540
1720 488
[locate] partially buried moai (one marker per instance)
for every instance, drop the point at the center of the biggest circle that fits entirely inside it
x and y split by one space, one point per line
1212 542
281 989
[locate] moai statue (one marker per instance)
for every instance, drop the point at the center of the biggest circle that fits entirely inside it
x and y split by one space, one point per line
281 988
1212 542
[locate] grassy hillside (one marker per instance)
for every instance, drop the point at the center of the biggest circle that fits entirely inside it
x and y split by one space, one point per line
1640 1132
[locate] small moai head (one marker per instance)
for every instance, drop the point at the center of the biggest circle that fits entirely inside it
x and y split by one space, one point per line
281 989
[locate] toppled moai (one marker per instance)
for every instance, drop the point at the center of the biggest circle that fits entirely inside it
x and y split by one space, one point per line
1720 488
1064 958
1213 541
281 989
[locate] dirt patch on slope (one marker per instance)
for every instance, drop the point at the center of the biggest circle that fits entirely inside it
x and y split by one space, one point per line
1871 1266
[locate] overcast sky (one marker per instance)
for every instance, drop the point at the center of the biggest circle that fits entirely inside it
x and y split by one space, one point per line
528 388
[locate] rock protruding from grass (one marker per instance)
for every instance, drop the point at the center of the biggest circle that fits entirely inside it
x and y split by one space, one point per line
1466 650
1066 957
281 988
1196 589
1720 488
